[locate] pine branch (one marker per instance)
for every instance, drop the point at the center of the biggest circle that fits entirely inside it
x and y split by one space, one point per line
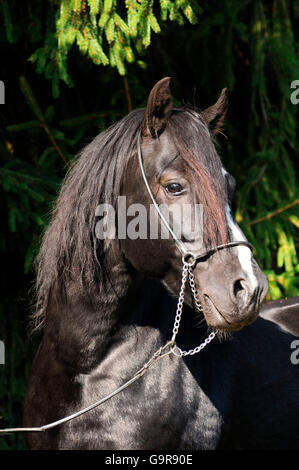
4 8
273 214
34 106
127 93
104 32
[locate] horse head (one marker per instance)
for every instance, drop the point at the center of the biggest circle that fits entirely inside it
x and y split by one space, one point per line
184 172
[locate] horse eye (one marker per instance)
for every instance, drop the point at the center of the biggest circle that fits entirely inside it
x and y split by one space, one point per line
174 188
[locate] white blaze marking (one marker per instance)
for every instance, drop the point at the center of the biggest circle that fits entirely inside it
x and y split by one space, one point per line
244 253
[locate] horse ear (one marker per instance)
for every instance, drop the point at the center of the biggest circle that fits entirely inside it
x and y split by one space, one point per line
158 110
214 115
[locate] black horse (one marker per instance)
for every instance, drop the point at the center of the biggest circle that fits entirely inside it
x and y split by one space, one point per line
107 304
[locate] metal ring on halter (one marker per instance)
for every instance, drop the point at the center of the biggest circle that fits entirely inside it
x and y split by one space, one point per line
178 352
186 259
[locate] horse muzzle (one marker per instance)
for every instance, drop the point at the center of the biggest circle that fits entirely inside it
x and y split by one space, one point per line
232 302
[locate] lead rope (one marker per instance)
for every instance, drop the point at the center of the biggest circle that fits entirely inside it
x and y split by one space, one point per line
169 348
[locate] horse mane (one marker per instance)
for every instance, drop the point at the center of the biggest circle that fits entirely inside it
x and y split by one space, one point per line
70 252
197 146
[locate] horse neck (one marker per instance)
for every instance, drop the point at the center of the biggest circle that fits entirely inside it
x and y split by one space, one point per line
80 329
80 332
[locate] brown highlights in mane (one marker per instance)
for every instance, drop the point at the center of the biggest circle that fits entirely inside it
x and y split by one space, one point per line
195 145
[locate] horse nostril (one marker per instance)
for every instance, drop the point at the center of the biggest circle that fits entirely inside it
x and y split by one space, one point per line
238 288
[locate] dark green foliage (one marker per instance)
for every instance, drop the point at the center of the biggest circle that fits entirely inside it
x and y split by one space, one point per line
106 31
251 47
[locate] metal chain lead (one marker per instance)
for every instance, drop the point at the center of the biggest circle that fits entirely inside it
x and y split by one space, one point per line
194 291
180 303
168 348
187 272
